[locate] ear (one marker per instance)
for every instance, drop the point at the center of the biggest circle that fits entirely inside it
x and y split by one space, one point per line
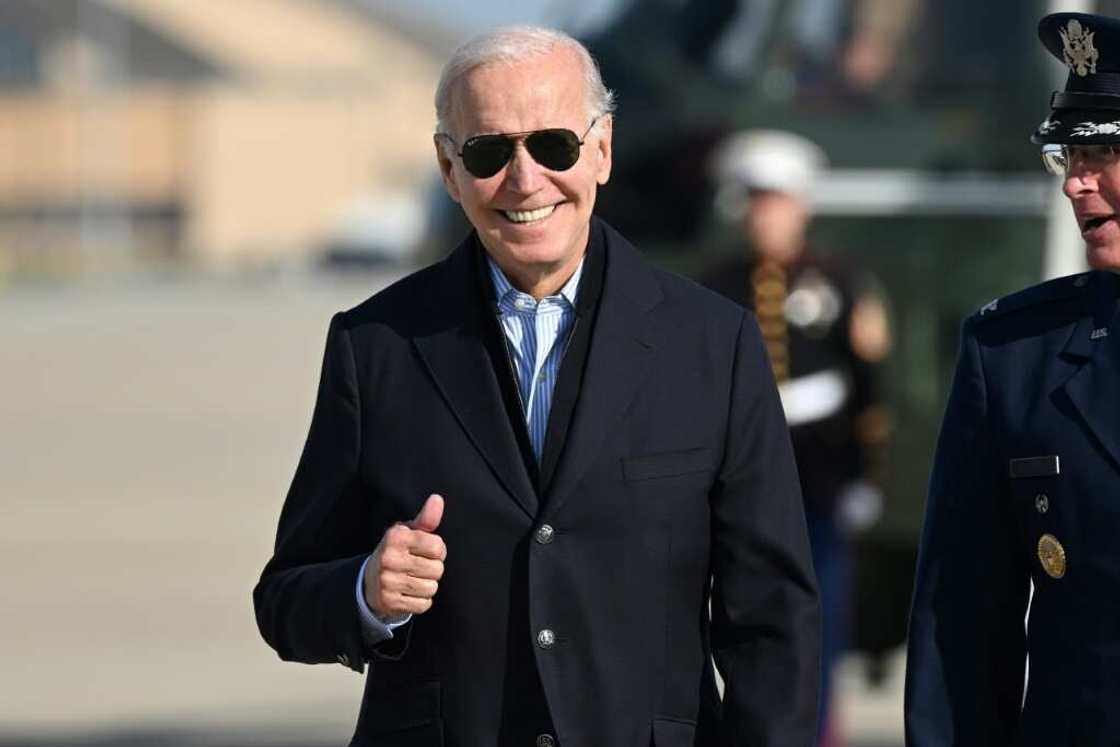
603 149
446 168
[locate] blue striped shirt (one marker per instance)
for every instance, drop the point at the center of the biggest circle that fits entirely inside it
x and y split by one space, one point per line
537 332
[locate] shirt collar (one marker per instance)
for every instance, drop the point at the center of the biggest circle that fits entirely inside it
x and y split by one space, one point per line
505 293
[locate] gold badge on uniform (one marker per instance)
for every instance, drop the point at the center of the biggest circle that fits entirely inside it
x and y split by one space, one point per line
1052 556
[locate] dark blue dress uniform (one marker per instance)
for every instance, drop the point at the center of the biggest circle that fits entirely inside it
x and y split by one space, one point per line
1020 552
1025 489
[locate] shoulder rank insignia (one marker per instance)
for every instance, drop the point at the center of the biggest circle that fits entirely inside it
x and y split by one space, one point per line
1051 290
1078 52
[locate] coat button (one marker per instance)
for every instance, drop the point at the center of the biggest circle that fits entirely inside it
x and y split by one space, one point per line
546 740
546 639
544 534
1042 503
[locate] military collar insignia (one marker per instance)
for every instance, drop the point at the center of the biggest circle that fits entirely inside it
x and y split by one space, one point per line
1078 52
1097 334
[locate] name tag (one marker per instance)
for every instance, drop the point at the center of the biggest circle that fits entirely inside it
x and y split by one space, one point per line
1042 466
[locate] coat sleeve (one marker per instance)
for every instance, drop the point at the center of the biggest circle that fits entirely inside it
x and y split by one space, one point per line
305 604
765 611
967 644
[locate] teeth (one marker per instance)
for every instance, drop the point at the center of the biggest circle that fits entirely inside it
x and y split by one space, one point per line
528 216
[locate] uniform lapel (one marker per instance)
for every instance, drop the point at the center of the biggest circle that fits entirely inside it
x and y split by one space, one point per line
1095 388
617 363
454 349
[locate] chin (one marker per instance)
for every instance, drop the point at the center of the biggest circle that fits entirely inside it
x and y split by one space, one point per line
1104 257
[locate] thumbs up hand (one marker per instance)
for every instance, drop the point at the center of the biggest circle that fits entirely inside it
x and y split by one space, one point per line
403 574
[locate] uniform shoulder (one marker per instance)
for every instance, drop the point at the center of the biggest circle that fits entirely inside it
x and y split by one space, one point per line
1051 291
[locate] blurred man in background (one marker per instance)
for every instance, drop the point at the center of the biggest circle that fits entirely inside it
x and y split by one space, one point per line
1024 487
826 334
533 465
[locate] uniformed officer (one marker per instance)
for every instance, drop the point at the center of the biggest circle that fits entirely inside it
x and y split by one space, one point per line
1026 484
826 333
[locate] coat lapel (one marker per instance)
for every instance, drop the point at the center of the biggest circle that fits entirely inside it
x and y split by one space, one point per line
1095 388
617 363
454 350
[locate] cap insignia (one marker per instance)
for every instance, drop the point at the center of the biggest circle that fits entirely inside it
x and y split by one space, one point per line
1079 53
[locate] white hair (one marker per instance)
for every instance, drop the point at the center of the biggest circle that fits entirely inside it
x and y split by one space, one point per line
510 45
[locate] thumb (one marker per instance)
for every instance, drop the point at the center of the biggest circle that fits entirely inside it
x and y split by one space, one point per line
430 515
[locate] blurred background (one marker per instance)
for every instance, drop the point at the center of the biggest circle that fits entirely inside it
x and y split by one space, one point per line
189 189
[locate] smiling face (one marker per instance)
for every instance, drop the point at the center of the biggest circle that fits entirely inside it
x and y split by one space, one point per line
1092 185
533 222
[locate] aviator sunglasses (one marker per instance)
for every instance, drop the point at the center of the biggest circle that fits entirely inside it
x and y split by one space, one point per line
556 149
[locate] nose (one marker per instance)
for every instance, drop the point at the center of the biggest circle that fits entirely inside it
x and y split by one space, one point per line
1080 180
523 174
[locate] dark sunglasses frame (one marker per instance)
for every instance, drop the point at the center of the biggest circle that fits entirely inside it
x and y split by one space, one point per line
556 148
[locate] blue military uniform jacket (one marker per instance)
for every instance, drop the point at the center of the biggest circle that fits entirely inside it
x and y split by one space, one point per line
1025 490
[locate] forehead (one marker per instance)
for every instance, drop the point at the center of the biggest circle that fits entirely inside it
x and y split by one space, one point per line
543 91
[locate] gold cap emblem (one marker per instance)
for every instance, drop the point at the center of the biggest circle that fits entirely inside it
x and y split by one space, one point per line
1052 556
1078 51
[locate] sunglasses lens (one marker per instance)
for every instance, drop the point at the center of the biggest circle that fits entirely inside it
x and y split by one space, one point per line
485 155
557 150
1055 158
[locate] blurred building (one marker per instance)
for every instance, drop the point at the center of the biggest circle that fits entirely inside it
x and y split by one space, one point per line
219 132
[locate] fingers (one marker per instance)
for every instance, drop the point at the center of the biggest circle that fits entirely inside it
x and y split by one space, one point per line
398 560
400 604
399 583
410 586
427 546
403 574
415 542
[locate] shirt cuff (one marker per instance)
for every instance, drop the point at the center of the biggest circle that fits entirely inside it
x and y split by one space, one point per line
374 629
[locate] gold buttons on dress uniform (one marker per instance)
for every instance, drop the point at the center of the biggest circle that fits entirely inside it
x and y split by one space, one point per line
1052 556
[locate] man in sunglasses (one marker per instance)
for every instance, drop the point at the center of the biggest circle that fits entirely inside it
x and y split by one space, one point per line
1024 493
545 482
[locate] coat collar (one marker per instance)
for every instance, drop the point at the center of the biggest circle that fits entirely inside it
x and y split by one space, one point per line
1094 388
454 350
617 361
456 354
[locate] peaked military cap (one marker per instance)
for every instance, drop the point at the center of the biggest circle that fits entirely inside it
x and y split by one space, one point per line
1088 110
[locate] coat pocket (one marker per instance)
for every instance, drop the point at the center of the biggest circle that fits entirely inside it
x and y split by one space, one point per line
669 732
409 717
667 464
